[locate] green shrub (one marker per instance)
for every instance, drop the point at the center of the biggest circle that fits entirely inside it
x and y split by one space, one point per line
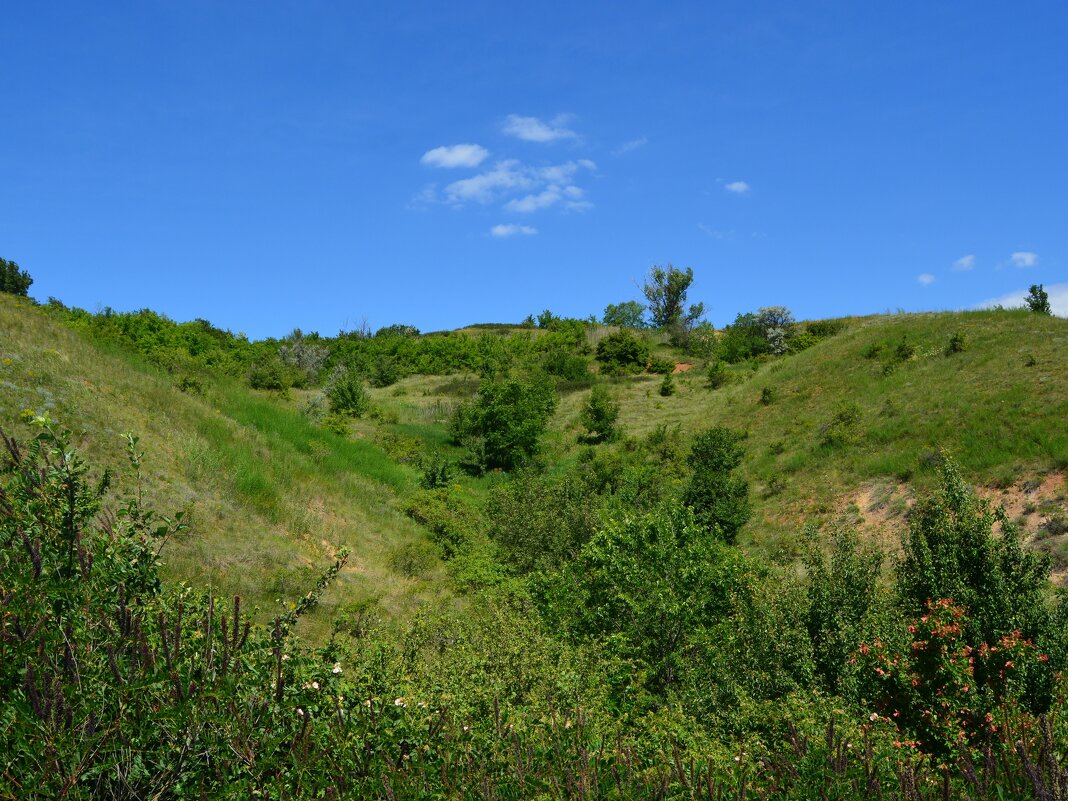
719 374
502 426
661 366
270 372
347 394
718 497
412 559
540 522
622 353
667 386
14 280
437 471
767 395
600 413
842 428
452 523
955 344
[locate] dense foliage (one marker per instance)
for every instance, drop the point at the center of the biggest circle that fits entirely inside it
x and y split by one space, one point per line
14 280
502 426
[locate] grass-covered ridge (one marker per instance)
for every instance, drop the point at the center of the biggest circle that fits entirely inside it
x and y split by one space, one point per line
269 495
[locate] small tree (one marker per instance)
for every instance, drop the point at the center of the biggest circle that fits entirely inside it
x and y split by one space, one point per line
347 394
666 292
12 279
1037 300
600 414
719 499
951 551
629 314
622 352
503 425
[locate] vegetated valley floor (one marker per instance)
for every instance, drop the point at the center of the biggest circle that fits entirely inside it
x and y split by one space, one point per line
841 437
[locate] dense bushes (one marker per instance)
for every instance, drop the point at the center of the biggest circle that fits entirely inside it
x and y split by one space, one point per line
502 426
643 658
622 353
14 280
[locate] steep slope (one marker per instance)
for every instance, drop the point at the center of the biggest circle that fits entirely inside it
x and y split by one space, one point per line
271 498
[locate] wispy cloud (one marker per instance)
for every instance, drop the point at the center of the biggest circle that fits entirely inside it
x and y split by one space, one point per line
1024 258
505 176
926 279
964 263
737 187
455 156
504 231
1058 299
532 129
632 145
715 233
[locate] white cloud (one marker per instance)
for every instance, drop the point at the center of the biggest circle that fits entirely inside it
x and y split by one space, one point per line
455 156
542 200
926 279
737 187
532 129
1058 299
964 263
503 231
1024 258
630 146
506 176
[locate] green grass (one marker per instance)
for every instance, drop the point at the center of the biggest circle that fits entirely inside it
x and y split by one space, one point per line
271 497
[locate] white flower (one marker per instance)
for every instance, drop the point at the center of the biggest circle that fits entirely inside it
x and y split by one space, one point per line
300 711
367 703
467 729
315 685
285 657
336 669
399 702
873 716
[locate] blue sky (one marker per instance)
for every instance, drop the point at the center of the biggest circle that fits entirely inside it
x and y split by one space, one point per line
270 165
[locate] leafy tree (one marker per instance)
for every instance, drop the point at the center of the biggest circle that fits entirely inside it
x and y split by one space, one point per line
502 426
666 291
629 314
12 279
843 589
622 353
743 339
645 588
950 551
600 413
1037 300
718 497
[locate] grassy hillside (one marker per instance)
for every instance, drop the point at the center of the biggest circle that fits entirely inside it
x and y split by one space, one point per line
846 427
270 497
847 430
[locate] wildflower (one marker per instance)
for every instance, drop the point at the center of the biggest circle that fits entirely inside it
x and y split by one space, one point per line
422 704
737 759
467 729
315 685
874 716
336 669
300 711
285 657
367 703
399 702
